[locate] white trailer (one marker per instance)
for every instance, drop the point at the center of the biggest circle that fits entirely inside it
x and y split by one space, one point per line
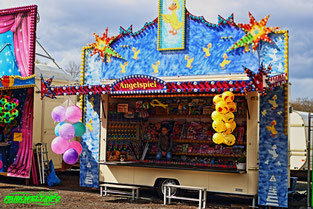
298 142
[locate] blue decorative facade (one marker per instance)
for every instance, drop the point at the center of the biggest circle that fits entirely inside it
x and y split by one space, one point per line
89 169
273 150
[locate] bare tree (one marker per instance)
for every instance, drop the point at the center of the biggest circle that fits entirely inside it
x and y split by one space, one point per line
38 61
303 104
73 69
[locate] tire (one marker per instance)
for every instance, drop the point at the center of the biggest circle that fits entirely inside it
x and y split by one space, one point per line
162 182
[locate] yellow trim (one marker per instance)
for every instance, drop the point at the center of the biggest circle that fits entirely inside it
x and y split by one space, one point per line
23 78
82 66
158 41
18 87
286 106
20 77
184 29
82 76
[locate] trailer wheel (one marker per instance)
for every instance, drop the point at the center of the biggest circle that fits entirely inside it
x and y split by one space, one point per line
162 182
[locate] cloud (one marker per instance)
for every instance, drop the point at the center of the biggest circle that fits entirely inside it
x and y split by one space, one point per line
67 25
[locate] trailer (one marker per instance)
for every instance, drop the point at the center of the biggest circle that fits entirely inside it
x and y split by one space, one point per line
150 99
298 143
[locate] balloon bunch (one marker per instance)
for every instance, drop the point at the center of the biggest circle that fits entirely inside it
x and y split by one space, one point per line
223 118
8 111
66 131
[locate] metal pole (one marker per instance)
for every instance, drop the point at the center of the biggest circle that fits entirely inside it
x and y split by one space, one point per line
309 164
309 137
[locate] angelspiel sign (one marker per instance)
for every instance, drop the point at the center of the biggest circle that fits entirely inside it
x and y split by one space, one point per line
138 83
42 198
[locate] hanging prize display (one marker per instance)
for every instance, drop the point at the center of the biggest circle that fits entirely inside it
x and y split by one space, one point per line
68 127
223 118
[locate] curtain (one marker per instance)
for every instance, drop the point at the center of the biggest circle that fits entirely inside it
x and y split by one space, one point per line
19 25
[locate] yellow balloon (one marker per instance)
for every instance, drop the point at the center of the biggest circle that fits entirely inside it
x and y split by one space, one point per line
216 116
218 138
217 98
230 127
228 117
229 139
232 106
228 96
221 107
228 131
219 126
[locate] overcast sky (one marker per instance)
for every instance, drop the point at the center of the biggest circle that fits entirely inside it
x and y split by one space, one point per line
67 25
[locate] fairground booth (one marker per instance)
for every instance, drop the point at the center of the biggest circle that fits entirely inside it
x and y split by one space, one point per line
186 101
17 56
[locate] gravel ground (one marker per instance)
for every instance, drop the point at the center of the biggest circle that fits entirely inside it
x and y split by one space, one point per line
73 196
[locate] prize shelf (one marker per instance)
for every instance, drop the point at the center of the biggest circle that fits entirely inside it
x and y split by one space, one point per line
180 116
130 122
196 141
203 155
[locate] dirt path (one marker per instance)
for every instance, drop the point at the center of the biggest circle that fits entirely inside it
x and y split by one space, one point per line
74 196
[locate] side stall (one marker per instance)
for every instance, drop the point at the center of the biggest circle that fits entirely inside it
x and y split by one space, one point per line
17 54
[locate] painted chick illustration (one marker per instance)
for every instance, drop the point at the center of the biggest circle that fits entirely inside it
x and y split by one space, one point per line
155 67
123 66
89 125
136 52
273 102
225 61
272 128
172 18
207 50
189 61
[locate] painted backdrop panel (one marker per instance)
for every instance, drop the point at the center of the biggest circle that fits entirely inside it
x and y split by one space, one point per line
8 63
273 150
89 168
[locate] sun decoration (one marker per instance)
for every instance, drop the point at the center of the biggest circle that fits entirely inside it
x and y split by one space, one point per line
255 32
102 46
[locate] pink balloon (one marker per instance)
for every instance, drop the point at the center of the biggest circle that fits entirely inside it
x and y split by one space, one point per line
76 146
58 113
67 131
1 164
73 114
59 145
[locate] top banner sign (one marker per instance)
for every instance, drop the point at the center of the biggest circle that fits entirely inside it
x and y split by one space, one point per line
171 27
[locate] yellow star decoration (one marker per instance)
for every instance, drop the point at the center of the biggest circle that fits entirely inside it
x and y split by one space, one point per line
102 46
255 32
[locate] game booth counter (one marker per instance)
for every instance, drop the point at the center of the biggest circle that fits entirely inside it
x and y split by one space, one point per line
17 53
185 101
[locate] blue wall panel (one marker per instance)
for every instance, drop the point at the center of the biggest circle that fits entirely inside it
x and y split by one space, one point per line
273 150
89 168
